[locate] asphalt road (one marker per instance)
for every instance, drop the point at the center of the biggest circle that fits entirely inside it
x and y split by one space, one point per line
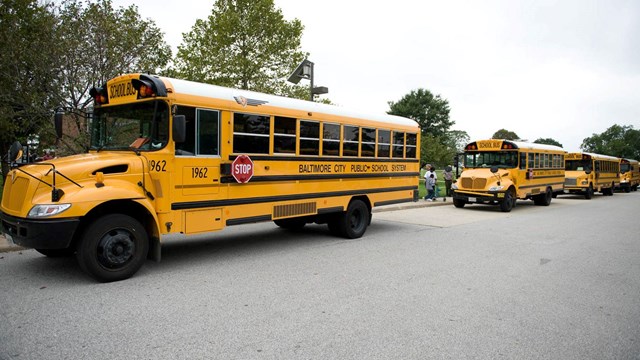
557 282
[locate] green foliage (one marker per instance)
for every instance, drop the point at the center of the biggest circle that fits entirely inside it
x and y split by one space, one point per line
620 141
431 112
244 44
548 141
96 43
27 78
505 134
438 151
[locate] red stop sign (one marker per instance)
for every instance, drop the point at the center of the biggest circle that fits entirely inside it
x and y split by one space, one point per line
242 168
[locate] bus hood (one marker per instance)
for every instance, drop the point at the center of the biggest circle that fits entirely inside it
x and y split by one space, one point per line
33 183
479 179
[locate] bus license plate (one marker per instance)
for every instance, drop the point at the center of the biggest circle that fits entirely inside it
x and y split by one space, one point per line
472 199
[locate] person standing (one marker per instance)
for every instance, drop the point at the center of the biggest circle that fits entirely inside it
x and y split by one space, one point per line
430 184
448 179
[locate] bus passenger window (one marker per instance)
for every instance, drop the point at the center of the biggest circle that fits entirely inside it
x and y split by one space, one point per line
284 135
351 138
368 144
309 137
251 133
411 146
384 143
398 144
331 139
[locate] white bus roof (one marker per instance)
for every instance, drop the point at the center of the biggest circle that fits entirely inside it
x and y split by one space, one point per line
214 91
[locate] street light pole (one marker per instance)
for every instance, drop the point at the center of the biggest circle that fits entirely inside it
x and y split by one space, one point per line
305 71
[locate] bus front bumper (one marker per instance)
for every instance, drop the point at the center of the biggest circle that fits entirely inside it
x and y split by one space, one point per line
39 234
471 197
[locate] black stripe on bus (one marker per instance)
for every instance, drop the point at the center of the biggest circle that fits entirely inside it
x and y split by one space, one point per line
245 201
228 179
324 159
541 185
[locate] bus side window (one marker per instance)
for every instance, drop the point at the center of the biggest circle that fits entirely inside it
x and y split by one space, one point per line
208 132
523 161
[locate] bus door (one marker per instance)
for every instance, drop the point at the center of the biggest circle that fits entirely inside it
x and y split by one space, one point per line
197 171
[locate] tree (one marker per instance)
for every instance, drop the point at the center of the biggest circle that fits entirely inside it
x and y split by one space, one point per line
548 141
97 43
620 141
440 151
27 79
244 44
431 112
505 134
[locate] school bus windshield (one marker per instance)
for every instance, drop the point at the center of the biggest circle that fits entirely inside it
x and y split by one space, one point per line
143 126
577 165
487 159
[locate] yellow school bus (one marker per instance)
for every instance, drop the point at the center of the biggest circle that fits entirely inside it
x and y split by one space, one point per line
629 175
498 172
587 173
174 157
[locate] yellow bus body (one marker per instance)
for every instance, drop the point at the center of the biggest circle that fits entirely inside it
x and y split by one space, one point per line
587 173
499 172
629 175
313 163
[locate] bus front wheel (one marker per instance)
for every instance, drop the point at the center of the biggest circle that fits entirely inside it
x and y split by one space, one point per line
459 203
589 193
352 223
507 203
113 248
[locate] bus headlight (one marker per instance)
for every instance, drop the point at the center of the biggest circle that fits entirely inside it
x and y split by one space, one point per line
454 187
496 188
45 210
584 182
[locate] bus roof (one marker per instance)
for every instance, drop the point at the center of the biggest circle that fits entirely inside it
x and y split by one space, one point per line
598 156
215 91
497 144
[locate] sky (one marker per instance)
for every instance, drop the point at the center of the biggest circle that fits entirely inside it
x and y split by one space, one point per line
543 69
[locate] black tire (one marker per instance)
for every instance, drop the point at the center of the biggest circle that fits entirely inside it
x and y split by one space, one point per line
589 193
291 223
351 224
507 203
544 199
57 253
113 248
459 203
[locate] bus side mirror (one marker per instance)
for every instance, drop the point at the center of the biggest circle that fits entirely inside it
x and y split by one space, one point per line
494 169
15 151
57 120
179 128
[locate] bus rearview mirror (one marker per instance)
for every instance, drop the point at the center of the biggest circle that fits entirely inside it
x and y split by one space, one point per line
179 128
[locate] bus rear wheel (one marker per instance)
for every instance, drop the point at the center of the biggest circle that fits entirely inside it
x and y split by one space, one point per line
351 224
543 199
113 248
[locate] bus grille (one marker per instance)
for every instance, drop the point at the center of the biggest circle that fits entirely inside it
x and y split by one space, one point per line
475 184
570 182
281 211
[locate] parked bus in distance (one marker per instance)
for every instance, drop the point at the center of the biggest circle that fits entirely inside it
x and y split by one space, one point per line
498 172
629 175
587 173
172 158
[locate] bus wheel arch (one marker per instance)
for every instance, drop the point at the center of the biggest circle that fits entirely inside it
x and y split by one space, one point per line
114 239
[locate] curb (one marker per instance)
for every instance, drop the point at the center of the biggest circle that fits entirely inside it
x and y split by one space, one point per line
5 246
